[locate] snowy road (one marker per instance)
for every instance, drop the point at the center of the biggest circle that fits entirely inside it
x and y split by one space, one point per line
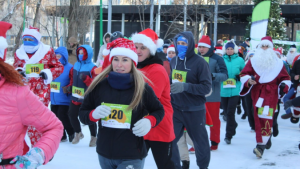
283 154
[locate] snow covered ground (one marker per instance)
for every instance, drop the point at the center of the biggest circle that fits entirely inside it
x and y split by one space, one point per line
283 154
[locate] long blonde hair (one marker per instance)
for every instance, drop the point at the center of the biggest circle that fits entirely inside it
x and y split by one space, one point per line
139 82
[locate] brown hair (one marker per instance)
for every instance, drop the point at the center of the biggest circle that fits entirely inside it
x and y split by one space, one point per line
10 74
139 82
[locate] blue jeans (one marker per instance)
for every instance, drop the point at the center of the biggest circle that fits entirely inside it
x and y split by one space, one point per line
287 97
106 163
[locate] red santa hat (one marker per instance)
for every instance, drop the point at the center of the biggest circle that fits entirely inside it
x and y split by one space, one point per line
171 48
32 31
278 51
123 47
4 27
266 41
204 41
149 39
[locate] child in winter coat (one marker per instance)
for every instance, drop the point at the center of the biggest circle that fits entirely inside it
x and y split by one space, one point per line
81 75
117 99
20 108
60 100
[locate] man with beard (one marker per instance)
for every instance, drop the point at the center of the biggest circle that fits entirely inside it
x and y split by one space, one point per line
291 55
267 79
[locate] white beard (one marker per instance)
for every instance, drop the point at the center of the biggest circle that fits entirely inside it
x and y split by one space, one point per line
290 57
264 59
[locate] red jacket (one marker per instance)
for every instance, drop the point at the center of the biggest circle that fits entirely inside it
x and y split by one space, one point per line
157 74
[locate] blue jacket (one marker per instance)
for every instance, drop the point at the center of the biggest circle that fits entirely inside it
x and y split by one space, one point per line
82 67
59 97
198 77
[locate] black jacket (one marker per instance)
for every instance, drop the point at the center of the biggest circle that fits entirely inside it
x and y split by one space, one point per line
120 143
295 71
199 78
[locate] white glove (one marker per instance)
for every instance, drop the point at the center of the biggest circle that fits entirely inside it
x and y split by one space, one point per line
142 127
101 112
31 160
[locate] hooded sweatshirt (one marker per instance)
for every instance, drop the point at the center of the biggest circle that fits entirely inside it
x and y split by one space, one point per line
198 77
100 55
219 72
58 97
85 67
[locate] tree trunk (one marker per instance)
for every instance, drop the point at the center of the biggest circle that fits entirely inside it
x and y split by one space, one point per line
73 11
18 38
37 13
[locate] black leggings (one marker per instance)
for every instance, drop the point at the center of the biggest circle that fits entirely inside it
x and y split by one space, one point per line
250 110
73 115
61 111
229 105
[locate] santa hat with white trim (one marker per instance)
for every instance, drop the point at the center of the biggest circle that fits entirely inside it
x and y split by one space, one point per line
205 41
149 39
123 47
32 31
266 41
171 48
4 27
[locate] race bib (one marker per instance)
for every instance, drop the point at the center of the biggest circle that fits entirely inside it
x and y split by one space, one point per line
77 92
119 118
55 87
178 76
34 70
229 83
262 114
206 59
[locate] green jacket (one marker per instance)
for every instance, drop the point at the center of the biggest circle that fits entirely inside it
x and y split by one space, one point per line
235 65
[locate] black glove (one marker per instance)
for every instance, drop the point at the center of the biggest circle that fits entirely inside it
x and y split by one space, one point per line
67 89
23 73
237 78
83 76
69 51
281 88
213 77
43 75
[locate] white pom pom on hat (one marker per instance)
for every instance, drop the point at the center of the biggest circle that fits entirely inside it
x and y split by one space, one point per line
149 39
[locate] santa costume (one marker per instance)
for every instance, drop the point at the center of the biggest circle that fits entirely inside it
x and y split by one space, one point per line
38 64
272 82
292 53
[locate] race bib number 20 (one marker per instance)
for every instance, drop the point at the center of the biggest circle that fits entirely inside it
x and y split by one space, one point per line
120 117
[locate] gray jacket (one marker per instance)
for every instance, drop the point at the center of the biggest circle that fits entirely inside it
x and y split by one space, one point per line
219 72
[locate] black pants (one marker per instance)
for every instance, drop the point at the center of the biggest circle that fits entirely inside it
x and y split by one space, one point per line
250 110
162 153
73 115
229 104
61 112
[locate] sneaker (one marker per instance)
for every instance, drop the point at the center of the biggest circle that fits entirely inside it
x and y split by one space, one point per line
93 141
213 147
77 137
259 150
185 164
294 119
192 150
244 116
63 140
286 116
239 110
227 140
252 131
71 137
222 113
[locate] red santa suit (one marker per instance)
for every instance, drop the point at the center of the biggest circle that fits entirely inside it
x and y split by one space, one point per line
47 62
265 93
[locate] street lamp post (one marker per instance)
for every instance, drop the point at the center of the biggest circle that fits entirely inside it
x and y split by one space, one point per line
24 14
101 23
